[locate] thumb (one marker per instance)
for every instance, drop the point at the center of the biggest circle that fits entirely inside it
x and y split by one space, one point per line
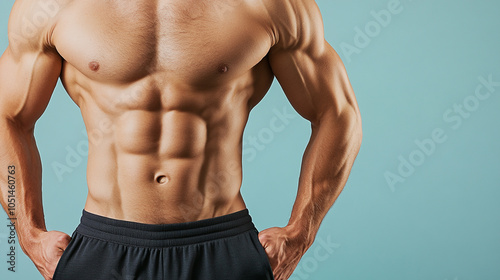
63 240
263 238
267 234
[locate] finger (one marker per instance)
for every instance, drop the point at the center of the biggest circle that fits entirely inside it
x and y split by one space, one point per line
63 241
262 237
267 244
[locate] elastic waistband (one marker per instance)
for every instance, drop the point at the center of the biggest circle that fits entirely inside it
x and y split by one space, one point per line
164 235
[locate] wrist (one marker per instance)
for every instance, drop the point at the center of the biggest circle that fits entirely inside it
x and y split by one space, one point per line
301 234
30 239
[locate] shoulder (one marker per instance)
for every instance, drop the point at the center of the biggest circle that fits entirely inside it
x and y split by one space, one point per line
31 23
295 23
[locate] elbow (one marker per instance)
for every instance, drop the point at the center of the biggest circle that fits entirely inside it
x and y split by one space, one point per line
347 124
357 129
5 118
15 122
353 129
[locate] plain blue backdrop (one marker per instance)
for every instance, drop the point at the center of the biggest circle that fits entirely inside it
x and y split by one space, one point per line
422 198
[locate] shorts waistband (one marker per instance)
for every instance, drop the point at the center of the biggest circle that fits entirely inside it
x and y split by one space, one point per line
164 235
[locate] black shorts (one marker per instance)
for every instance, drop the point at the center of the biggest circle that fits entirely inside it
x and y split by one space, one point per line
221 248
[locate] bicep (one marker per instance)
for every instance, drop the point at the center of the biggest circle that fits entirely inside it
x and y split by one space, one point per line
29 68
27 81
309 70
315 83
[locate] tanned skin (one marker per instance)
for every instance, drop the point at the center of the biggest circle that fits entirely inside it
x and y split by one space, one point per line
169 84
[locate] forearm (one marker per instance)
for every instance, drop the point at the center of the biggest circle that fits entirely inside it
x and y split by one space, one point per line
326 165
18 149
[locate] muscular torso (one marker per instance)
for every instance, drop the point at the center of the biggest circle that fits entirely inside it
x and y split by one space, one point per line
165 89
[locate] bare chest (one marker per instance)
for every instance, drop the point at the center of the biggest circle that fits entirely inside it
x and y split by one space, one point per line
196 42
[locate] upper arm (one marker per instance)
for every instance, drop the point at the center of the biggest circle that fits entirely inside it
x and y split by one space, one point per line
29 67
309 70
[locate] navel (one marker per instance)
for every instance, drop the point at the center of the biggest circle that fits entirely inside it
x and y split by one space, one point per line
94 66
223 68
162 179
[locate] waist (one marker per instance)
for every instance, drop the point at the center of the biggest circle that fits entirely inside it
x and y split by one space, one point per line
164 235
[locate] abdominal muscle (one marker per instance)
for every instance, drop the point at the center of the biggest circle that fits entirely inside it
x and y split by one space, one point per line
178 162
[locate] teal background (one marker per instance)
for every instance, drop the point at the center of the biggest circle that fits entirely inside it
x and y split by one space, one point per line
441 222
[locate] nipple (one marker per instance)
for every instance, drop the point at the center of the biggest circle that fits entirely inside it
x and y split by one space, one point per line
94 66
162 179
223 68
